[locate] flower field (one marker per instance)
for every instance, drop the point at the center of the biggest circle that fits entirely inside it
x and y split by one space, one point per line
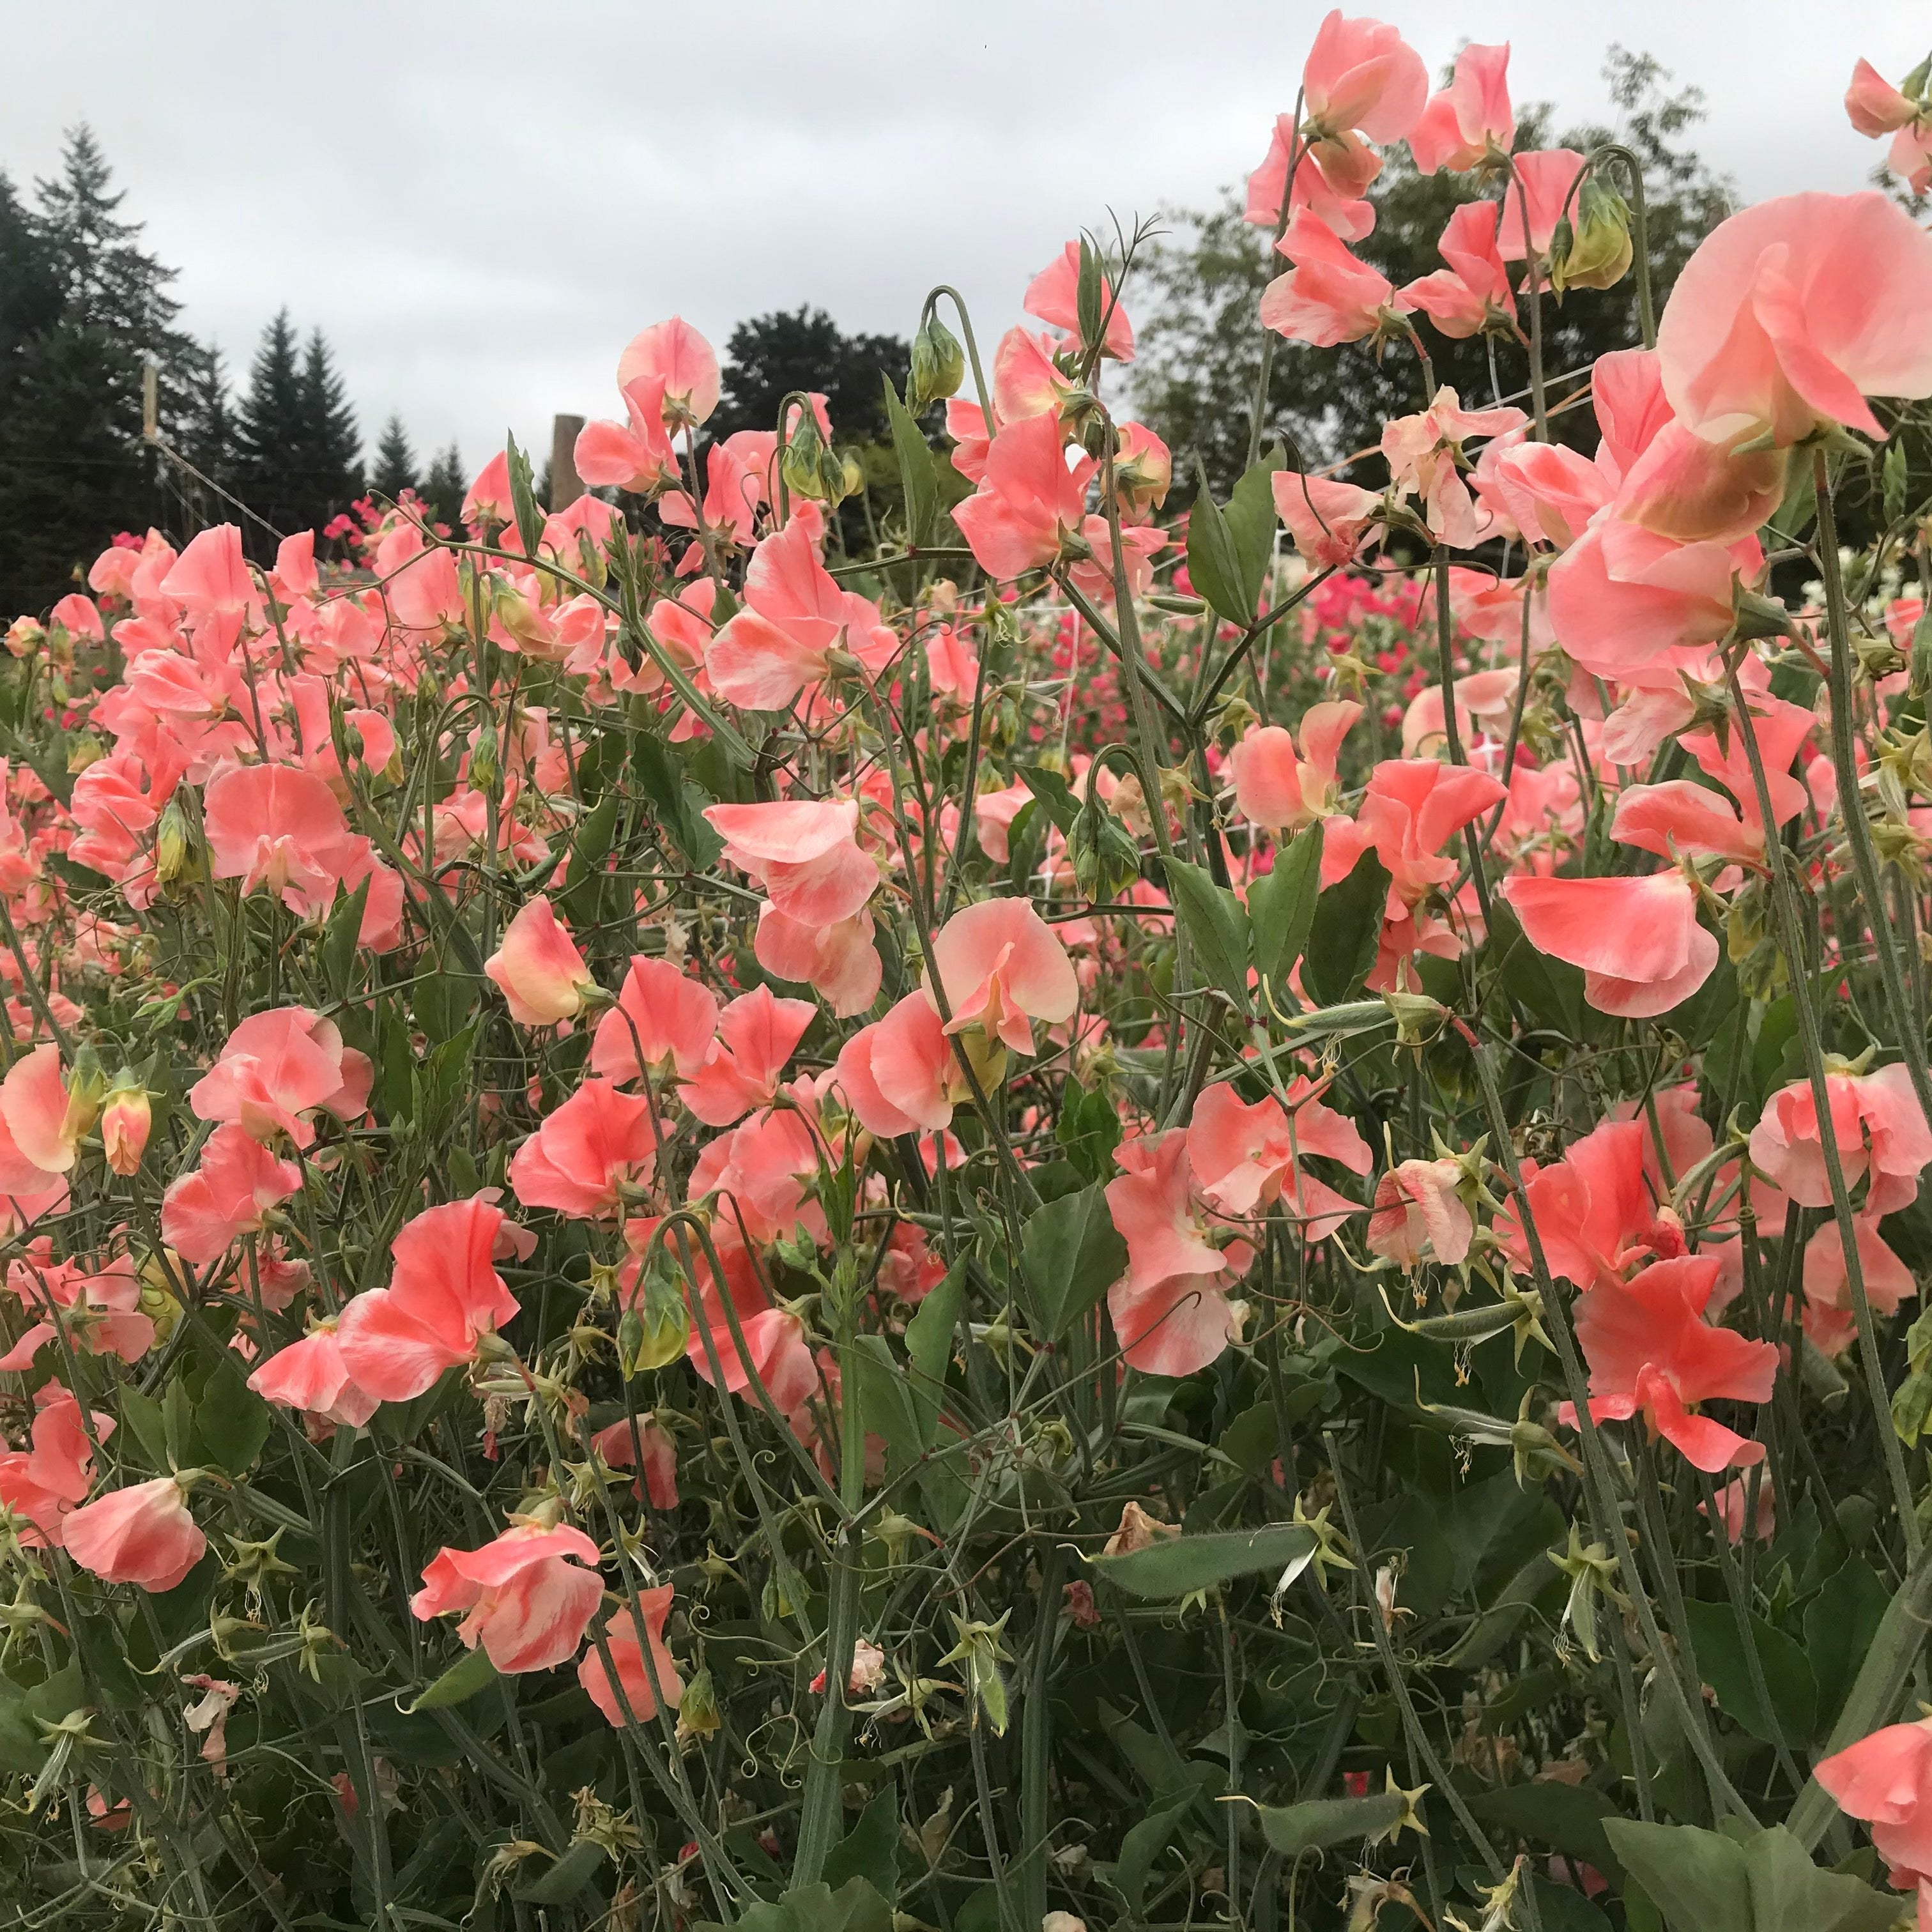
1121 1210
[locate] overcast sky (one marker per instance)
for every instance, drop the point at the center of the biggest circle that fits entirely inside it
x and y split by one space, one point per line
480 205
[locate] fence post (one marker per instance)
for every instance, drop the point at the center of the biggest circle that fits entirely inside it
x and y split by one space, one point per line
565 486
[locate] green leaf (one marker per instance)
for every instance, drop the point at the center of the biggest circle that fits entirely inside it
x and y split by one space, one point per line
578 902
678 804
1142 1844
1090 295
567 1877
917 476
1178 1565
1228 550
870 1849
1344 932
929 1336
1292 1829
1839 1623
1723 1663
1703 1882
856 1907
1071 1254
1054 794
461 1682
1566 1818
1217 927
885 1399
339 940
231 1419
142 1415
1698 1879
1281 905
1089 1130
522 497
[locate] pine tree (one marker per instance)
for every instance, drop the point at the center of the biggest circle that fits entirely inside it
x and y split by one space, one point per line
82 306
269 432
331 444
395 468
446 486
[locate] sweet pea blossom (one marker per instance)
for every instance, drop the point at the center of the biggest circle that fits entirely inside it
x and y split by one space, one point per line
1001 968
278 1069
1650 1352
1361 74
1875 107
522 1597
646 1677
1877 1124
1470 120
538 968
1030 505
1637 939
1886 1779
143 1534
1284 791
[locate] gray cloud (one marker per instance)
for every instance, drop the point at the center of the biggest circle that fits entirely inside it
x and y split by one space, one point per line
480 206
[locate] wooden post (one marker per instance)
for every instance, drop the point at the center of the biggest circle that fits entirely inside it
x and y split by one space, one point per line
151 399
565 486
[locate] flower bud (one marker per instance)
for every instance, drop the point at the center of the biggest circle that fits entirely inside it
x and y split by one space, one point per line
177 852
125 1120
698 1715
938 366
24 636
83 749
801 465
1106 858
1595 253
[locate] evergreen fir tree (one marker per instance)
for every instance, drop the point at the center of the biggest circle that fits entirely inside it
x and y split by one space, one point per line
395 468
268 433
82 306
331 445
446 486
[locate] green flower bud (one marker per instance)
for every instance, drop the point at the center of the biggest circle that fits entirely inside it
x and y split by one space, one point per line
938 366
1595 252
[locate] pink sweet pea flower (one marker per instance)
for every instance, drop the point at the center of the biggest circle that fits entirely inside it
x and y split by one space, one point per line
1361 74
1420 1214
1473 292
1030 505
102 1312
487 498
1350 218
1539 191
1329 521
1423 453
757 1034
674 354
1792 313
1276 788
1171 1309
1471 121
1650 1352
44 1483
1876 1122
279 828
663 1019
1001 968
1637 939
278 1069
793 620
1593 1211
311 1375
641 1685
142 1535
805 852
1053 295
1621 596
40 1122
588 1154
900 1074
1329 296
1876 107
1886 1780
538 968
636 455
525 1601
229 1194
619 1447
1737 1517
1828 1281
1247 1155
443 1298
